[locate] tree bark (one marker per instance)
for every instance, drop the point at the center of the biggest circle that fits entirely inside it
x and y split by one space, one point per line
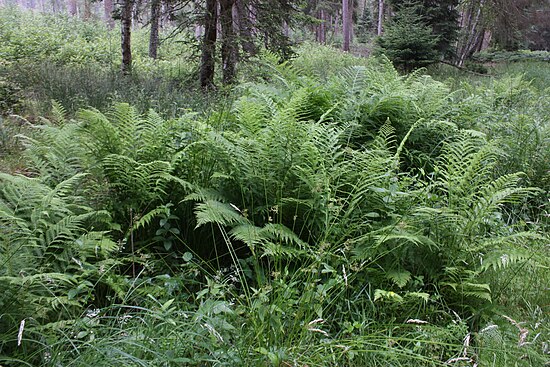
350 19
209 44
245 28
72 8
126 33
322 28
154 35
229 50
380 17
470 22
346 25
108 13
87 10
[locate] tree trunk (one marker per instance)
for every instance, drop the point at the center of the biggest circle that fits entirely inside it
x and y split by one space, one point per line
136 11
154 35
245 28
126 33
209 44
487 36
346 25
108 12
350 19
72 8
323 28
229 50
56 6
470 22
380 16
87 9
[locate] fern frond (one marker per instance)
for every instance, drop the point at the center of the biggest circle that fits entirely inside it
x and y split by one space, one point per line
499 260
247 233
282 234
219 213
146 219
280 251
59 113
399 277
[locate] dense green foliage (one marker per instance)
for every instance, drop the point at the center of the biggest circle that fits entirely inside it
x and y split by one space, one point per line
409 41
77 64
330 212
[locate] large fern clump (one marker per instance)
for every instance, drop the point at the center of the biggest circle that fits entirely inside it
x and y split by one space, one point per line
54 250
357 217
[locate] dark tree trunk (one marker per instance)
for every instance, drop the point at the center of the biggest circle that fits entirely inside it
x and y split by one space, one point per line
351 9
245 28
126 32
346 24
108 12
154 36
229 49
322 28
209 44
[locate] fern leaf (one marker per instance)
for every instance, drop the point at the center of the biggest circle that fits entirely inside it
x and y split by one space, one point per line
217 213
399 277
282 233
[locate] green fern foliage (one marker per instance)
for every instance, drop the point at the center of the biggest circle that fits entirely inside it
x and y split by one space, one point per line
52 249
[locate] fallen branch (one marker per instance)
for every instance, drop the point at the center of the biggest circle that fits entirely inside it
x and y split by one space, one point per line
464 69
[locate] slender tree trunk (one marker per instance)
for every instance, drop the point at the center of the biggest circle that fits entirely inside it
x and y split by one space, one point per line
209 44
154 35
350 19
126 33
318 29
72 8
323 28
55 6
380 16
108 13
136 11
487 36
346 25
229 50
471 19
87 9
244 24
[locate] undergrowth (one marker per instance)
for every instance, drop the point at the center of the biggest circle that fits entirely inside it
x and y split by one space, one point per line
332 212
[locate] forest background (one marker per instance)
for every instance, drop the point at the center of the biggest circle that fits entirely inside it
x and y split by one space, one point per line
286 183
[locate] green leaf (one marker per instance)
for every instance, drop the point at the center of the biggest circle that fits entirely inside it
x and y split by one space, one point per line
187 256
399 277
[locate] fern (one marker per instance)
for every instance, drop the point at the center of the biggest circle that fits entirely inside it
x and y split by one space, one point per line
217 213
52 251
399 277
59 113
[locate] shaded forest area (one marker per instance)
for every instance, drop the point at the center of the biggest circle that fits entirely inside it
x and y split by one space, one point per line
274 183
